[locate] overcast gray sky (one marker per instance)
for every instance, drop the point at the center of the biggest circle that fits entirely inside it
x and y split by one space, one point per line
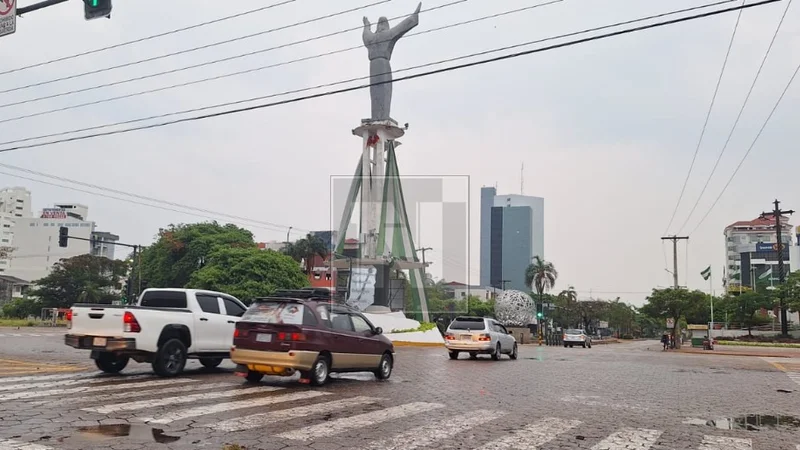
606 129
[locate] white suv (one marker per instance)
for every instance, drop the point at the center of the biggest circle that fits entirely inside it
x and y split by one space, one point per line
479 335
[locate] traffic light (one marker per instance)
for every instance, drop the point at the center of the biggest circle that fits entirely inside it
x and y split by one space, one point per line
539 314
95 9
63 234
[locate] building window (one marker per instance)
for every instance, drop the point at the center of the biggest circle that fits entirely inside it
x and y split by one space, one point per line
32 224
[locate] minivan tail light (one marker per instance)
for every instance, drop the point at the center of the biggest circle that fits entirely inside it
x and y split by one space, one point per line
484 337
449 337
131 325
282 336
236 333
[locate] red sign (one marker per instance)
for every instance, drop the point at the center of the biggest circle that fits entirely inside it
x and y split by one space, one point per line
6 6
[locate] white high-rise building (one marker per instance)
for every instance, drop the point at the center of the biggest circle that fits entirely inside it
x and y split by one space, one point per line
15 202
751 251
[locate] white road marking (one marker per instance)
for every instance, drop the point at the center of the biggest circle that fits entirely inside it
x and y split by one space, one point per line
142 404
129 395
265 419
231 406
594 400
628 438
426 436
51 384
359 421
10 444
61 376
725 443
93 389
534 435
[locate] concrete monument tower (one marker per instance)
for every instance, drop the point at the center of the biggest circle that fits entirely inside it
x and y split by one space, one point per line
385 233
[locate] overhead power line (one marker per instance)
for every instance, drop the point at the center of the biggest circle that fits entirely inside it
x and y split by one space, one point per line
241 72
738 116
194 49
295 91
206 214
147 38
749 149
708 116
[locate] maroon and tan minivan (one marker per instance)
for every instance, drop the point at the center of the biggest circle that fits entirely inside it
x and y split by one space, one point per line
288 333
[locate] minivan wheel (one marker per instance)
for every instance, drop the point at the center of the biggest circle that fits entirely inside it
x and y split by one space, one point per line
210 362
513 353
473 355
110 363
384 370
496 354
253 376
584 345
453 355
320 371
170 358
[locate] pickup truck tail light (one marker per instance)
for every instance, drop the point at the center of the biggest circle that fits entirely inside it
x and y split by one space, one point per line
484 337
68 318
564 337
291 336
131 325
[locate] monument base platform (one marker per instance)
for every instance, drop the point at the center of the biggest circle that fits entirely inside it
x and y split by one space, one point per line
388 127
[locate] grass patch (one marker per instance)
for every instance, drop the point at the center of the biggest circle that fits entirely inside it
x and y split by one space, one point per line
17 323
424 326
758 344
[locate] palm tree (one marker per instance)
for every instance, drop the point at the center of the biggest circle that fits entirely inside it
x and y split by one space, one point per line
541 276
305 249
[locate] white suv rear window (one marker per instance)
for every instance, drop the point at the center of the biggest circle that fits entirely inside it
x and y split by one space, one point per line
275 312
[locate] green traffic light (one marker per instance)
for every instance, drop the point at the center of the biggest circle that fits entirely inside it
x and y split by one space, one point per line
95 2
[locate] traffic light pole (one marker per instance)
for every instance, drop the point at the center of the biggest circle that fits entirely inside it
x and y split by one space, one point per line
135 252
37 6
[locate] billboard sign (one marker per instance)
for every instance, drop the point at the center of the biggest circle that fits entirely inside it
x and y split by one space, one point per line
54 213
766 247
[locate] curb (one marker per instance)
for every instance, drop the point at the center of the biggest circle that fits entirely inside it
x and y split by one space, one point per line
752 355
417 344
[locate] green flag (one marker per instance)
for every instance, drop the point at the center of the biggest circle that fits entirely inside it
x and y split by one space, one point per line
706 273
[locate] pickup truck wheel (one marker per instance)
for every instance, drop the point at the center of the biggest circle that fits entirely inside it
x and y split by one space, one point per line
210 362
111 363
170 358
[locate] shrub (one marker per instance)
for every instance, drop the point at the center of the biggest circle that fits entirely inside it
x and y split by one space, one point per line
21 308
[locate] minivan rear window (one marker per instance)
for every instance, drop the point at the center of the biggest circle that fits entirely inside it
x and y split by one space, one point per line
468 324
275 312
163 299
574 332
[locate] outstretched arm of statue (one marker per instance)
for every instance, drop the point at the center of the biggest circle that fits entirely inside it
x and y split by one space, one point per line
407 24
367 34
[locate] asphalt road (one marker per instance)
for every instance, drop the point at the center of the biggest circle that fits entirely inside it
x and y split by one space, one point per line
619 396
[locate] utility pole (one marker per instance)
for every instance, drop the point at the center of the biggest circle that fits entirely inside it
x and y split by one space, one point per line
777 214
675 240
424 266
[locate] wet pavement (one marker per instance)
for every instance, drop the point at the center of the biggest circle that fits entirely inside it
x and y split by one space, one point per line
617 396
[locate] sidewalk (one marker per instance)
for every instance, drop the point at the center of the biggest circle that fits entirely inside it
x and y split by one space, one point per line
736 350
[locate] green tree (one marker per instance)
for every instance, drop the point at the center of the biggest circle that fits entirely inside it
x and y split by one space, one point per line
21 308
674 303
247 273
479 307
306 249
541 276
83 278
180 250
747 309
566 313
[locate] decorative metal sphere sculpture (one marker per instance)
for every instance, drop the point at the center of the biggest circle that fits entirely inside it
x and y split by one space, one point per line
515 308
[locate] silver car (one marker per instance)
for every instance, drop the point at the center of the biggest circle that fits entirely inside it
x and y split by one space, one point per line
479 335
576 337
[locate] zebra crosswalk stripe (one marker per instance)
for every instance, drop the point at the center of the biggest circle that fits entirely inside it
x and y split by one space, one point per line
142 404
427 435
629 438
10 444
534 435
359 421
231 406
129 395
37 378
51 384
265 419
108 387
725 443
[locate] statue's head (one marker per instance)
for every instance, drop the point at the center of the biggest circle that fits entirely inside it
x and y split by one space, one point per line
383 24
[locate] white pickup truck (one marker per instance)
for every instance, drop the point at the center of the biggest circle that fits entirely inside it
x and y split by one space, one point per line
164 328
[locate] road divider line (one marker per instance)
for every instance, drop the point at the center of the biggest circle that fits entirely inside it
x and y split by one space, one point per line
231 406
24 386
533 435
628 438
107 387
142 404
427 435
359 421
129 395
265 419
725 443
10 444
